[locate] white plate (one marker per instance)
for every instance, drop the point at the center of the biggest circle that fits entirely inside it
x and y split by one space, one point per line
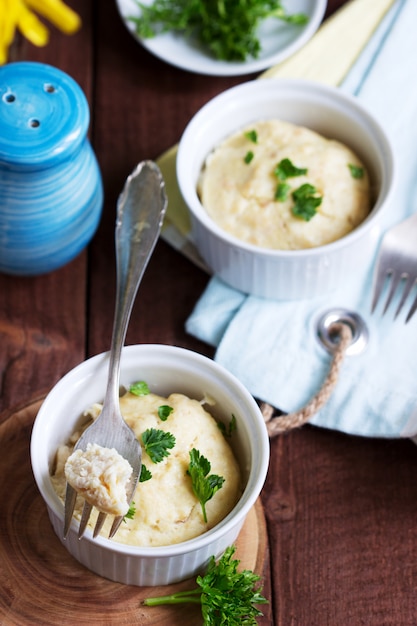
278 41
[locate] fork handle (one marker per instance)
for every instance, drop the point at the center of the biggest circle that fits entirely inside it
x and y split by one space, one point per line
136 234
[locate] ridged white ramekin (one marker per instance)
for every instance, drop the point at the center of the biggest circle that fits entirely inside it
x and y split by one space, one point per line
166 369
282 274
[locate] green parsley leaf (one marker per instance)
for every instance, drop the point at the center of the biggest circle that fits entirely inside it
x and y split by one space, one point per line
229 429
131 512
164 411
157 443
252 135
248 157
204 485
286 169
227 596
139 388
281 192
306 202
145 474
356 171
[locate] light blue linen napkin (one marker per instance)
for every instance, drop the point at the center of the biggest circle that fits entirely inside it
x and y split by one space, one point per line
272 347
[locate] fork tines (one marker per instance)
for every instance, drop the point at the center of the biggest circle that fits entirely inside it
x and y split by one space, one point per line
70 500
399 284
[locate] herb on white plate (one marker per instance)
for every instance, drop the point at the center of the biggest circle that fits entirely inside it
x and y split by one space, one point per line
228 28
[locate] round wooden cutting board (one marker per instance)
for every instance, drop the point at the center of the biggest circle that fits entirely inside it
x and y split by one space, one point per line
41 584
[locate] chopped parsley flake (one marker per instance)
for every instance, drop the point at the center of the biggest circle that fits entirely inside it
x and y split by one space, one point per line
356 170
139 388
286 169
248 157
252 135
229 429
306 202
145 474
164 411
131 512
282 191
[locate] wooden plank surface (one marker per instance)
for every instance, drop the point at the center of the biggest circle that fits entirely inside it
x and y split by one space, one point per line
42 319
341 511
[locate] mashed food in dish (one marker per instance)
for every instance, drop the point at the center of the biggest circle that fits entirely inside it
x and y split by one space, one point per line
167 509
248 192
100 475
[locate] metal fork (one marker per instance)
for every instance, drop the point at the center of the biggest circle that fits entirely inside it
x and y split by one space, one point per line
397 266
140 211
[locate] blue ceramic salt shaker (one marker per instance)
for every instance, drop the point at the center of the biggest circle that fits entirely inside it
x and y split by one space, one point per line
51 192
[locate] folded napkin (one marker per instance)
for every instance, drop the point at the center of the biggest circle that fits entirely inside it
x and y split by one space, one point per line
272 347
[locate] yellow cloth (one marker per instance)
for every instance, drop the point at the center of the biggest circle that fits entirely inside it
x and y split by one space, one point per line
22 15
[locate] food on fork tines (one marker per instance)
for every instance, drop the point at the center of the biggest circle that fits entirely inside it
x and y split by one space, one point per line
281 186
190 479
100 475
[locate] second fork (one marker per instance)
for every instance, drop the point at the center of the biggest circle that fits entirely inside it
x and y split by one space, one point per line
396 267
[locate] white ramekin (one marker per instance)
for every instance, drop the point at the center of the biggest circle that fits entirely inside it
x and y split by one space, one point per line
166 369
281 274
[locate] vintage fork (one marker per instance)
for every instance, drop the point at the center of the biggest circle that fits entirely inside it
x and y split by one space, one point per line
140 211
397 265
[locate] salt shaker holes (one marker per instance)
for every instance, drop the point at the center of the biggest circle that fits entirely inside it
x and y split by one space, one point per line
9 97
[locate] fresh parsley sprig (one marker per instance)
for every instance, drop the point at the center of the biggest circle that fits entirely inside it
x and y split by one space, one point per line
227 596
157 443
204 484
229 29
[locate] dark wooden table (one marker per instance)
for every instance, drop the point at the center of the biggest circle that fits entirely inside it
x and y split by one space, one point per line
341 511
